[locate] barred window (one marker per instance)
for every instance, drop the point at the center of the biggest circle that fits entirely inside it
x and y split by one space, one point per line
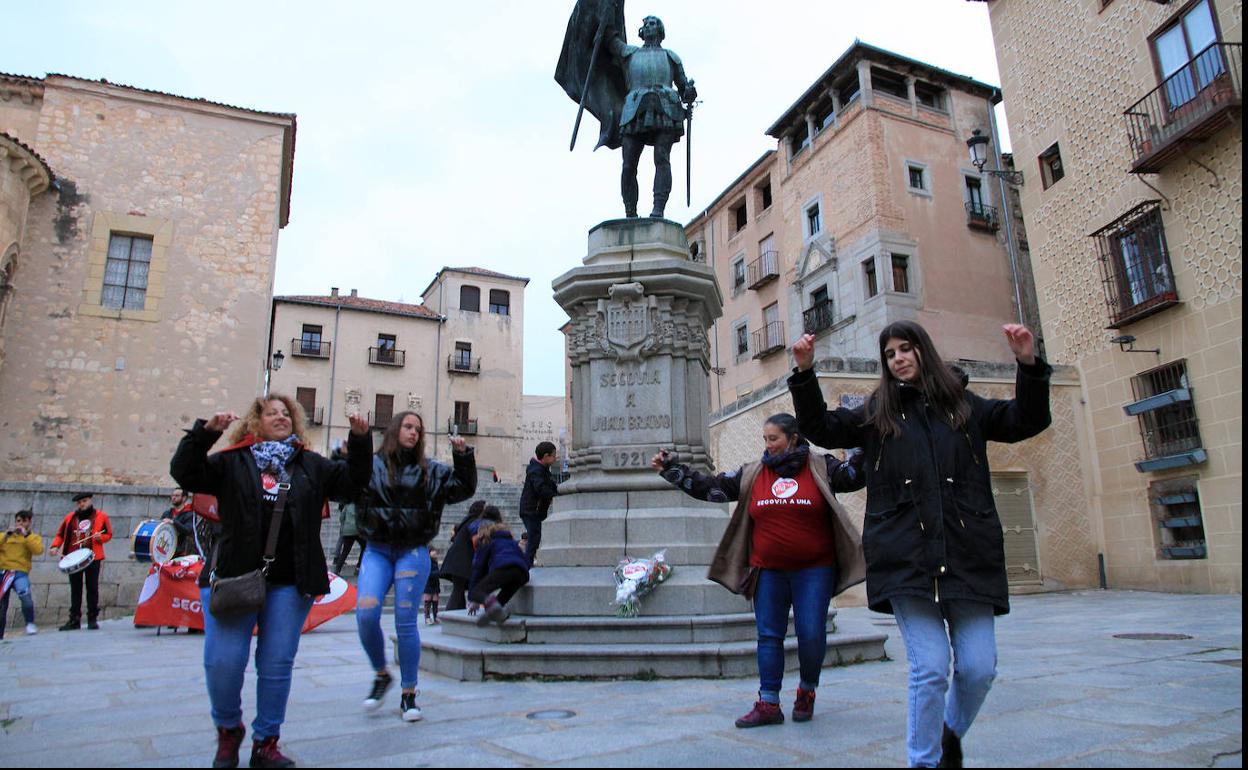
1167 415
125 272
1135 265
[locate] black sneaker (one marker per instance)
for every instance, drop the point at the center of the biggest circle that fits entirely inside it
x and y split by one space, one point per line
408 708
381 684
72 625
950 749
93 626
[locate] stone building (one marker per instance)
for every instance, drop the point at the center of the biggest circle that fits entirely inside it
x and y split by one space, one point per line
1134 208
457 360
870 211
138 242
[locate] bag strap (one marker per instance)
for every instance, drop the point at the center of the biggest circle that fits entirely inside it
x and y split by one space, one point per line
275 526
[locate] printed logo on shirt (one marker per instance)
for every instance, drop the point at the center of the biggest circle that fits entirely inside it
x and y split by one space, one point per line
268 483
784 488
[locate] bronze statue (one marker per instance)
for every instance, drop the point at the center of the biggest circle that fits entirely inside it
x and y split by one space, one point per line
630 90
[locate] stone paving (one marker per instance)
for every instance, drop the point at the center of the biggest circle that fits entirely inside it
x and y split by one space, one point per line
1068 694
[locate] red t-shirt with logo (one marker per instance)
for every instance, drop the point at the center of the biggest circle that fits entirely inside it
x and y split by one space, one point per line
792 529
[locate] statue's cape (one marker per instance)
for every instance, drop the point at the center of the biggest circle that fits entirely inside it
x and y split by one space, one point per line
607 89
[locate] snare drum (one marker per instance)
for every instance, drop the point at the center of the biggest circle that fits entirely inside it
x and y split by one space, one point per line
155 541
76 561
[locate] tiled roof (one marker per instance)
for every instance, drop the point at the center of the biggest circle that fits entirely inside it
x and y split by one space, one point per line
26 147
481 271
362 303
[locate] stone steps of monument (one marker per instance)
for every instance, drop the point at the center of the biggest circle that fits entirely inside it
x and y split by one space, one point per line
468 659
671 629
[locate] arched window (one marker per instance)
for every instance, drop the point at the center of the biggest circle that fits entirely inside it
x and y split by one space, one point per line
470 298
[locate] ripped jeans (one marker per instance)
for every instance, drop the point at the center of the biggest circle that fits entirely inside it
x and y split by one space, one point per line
407 569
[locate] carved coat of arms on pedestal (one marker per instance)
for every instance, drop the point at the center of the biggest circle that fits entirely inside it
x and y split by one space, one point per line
628 317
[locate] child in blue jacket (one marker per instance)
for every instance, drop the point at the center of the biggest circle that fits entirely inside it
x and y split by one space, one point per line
499 565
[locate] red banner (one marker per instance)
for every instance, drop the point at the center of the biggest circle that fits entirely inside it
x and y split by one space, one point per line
170 597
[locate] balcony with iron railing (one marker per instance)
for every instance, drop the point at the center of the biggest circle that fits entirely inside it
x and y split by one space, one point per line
1190 105
309 348
316 415
982 217
462 427
764 270
818 318
387 357
459 364
1135 266
380 420
769 339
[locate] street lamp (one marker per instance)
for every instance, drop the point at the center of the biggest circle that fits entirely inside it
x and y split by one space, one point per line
278 360
978 144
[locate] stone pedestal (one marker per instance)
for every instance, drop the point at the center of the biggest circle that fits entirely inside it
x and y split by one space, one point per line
637 341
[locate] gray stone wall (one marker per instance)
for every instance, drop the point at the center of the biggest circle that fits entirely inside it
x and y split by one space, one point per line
121 578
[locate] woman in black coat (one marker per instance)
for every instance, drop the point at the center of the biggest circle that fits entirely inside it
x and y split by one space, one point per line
931 535
457 562
266 464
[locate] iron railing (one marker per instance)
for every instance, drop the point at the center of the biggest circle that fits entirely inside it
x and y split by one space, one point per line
764 270
309 348
769 339
1135 265
983 217
463 364
462 427
1191 104
1168 425
316 415
818 317
387 357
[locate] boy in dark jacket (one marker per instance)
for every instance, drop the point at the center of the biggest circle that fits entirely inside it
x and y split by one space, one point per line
499 565
539 490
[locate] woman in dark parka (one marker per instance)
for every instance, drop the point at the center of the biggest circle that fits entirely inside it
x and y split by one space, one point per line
932 538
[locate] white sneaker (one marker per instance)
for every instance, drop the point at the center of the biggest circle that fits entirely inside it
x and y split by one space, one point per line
381 683
31 629
409 709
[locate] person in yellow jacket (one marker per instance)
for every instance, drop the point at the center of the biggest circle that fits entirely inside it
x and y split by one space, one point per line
17 545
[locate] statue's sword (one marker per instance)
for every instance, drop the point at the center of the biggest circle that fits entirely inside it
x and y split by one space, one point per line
689 154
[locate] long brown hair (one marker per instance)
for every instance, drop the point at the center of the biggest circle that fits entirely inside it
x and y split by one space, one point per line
392 452
944 391
250 424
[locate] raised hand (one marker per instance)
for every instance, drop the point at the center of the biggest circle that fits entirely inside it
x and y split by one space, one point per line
1022 342
220 421
458 444
359 424
658 460
804 352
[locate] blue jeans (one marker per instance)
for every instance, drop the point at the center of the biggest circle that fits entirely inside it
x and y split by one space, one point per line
923 628
21 587
408 571
809 592
227 645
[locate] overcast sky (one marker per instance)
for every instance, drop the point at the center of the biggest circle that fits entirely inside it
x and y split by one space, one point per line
433 134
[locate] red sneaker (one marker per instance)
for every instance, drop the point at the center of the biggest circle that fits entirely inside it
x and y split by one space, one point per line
264 753
804 706
228 741
763 713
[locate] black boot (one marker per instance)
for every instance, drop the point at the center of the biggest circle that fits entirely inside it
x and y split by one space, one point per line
73 624
950 749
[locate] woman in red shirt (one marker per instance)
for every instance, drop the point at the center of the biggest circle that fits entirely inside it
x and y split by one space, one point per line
789 545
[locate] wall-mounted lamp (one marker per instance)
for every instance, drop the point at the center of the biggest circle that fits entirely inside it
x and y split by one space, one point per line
278 360
719 371
978 144
1126 343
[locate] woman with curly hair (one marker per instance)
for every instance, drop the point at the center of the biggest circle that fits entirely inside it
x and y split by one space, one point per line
265 478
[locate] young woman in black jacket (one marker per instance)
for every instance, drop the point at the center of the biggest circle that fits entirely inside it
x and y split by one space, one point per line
266 462
932 538
398 514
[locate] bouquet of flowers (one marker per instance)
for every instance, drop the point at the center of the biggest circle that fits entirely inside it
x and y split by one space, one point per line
634 578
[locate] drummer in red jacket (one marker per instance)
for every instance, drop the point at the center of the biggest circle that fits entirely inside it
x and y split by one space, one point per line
84 527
